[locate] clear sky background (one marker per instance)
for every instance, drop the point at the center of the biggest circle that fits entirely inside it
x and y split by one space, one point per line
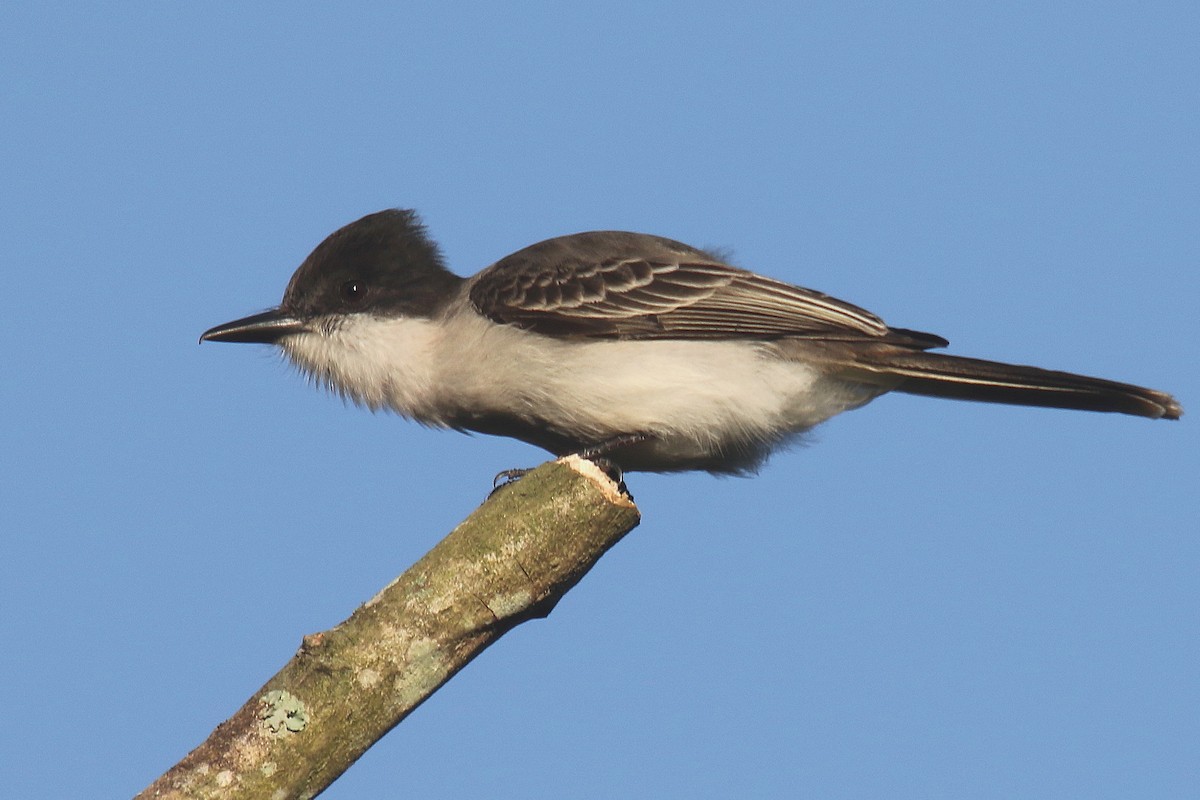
935 599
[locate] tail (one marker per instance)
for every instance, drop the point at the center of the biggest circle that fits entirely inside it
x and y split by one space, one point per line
938 375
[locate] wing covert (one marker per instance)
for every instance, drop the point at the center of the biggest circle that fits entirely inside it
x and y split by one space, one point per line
625 285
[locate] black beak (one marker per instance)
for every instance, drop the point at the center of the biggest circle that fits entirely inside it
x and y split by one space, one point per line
265 328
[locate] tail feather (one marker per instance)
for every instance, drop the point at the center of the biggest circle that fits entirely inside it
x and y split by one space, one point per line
939 375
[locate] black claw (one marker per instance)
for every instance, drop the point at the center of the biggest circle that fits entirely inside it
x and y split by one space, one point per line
505 477
613 471
594 453
609 468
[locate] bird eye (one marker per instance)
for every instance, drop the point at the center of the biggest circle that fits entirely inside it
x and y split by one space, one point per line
353 291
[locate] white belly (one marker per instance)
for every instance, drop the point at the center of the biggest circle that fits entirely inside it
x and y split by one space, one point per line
703 402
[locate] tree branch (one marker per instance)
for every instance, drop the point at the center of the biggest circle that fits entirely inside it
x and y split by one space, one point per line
510 561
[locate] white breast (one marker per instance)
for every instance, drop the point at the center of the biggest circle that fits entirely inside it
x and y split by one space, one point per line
698 397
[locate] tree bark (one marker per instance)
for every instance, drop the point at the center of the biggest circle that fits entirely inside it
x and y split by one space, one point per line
510 561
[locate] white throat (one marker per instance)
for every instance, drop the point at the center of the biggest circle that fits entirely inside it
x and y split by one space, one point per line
375 361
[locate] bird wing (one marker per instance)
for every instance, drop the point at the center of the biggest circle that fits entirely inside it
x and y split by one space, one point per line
611 284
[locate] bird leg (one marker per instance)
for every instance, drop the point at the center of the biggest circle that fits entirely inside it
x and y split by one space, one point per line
593 452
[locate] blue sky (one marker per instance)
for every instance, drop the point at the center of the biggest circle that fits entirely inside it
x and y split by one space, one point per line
934 599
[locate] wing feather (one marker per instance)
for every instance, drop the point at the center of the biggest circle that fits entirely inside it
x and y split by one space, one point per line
625 285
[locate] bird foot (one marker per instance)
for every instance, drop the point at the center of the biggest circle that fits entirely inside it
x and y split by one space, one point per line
594 453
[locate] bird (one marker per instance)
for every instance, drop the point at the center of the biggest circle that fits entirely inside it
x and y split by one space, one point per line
651 354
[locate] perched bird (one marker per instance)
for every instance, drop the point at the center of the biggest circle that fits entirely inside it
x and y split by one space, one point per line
655 355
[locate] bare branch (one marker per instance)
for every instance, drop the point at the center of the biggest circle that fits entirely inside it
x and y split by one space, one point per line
510 561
